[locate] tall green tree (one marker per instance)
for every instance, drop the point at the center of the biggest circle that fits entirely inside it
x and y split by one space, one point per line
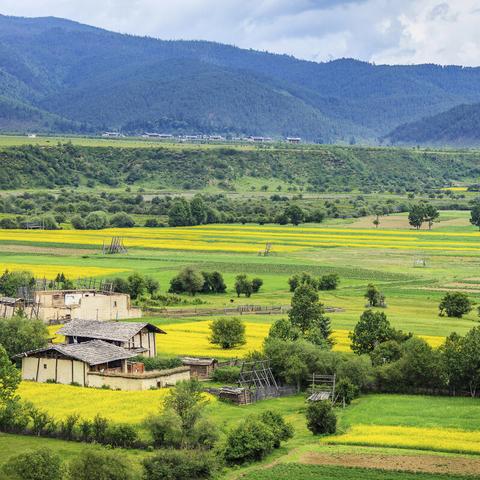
9 377
295 214
430 214
307 313
372 329
198 210
227 332
475 215
180 214
416 216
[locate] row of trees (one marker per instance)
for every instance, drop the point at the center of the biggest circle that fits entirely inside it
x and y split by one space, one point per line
422 212
329 281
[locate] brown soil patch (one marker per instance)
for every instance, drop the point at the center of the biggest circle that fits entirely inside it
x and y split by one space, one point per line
398 221
410 463
47 250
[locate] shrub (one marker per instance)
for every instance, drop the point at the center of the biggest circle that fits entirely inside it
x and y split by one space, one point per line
122 220
14 416
124 436
159 363
41 464
256 285
455 304
227 332
8 223
100 465
226 374
78 222
165 429
328 282
179 465
66 428
321 418
99 429
282 430
346 390
96 220
151 223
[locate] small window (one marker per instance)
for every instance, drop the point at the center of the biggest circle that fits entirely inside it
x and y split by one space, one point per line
115 303
45 366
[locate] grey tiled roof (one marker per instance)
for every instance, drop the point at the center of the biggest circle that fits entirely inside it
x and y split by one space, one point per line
94 352
113 331
198 361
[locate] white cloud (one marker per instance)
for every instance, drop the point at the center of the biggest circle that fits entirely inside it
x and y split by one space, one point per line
383 31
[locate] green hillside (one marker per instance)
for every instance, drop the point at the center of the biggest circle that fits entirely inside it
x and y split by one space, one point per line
457 126
172 166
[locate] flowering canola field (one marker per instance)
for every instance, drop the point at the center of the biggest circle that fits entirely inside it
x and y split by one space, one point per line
252 238
437 439
50 271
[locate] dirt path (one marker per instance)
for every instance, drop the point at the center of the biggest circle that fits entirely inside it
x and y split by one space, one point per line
411 463
45 250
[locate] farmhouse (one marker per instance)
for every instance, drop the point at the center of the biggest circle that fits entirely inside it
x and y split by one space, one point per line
137 337
66 305
98 354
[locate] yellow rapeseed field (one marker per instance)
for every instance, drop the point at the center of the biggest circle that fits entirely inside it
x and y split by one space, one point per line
62 400
438 439
50 271
250 239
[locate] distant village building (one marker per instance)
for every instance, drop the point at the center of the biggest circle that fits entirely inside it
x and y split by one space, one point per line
98 354
66 305
293 139
200 368
112 135
160 136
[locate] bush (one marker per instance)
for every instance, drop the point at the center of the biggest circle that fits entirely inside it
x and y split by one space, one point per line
179 465
282 430
227 332
41 464
78 223
96 220
8 223
256 285
14 416
250 441
151 223
321 418
159 363
165 429
346 391
226 374
124 436
100 465
455 304
328 282
122 220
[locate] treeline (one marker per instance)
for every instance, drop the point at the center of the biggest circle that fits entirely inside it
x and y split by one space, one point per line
313 169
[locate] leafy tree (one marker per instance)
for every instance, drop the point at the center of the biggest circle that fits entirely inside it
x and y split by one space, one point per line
78 222
11 282
191 280
41 464
180 214
136 285
165 429
282 430
455 304
470 349
303 279
386 352
9 377
328 282
227 332
198 210
213 283
243 285
372 330
475 215
430 214
295 214
256 284
21 334
151 285
416 216
321 418
250 441
96 220
187 401
95 464
284 330
307 313
122 220
374 297
452 361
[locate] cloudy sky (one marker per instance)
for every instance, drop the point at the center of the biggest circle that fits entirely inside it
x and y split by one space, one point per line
381 31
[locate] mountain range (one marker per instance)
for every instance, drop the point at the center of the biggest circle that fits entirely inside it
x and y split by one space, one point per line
60 76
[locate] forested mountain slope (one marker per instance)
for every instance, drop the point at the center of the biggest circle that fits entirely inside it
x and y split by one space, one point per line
457 126
91 79
315 169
